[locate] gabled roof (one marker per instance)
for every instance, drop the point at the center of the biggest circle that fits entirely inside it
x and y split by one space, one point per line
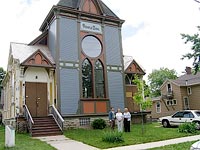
75 4
185 80
75 7
188 79
22 52
128 61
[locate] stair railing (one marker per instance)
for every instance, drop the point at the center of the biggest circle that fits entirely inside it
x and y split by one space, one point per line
28 118
57 117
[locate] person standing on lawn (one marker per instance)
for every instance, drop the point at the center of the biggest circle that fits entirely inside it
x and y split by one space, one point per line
119 118
127 120
112 118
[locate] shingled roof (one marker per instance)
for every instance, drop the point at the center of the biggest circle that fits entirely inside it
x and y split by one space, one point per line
188 79
21 51
75 4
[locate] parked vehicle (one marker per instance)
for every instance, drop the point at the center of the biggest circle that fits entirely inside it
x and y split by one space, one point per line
181 117
195 146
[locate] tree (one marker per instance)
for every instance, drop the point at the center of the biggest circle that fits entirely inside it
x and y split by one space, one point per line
141 98
2 75
157 78
197 1
195 54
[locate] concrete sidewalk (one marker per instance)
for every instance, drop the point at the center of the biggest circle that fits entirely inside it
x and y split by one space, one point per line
62 143
147 146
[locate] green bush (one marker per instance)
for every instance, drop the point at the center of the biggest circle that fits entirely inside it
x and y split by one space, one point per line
187 128
99 124
113 137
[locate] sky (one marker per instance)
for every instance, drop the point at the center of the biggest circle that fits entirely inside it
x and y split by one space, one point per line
150 34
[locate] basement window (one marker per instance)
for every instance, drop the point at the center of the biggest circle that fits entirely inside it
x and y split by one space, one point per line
84 121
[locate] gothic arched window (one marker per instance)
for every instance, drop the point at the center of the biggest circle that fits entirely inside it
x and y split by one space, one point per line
87 79
99 80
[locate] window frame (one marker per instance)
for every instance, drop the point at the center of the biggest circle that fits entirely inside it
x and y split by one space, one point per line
189 90
158 108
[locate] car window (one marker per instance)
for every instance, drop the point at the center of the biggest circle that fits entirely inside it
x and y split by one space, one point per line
178 115
188 115
197 113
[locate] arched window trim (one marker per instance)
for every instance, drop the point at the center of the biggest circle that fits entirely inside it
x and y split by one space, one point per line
95 82
85 92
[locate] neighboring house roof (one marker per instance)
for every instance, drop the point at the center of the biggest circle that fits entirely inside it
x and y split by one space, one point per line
128 60
75 4
188 79
185 80
21 51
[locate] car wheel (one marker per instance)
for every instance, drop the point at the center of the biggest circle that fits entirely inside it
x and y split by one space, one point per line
165 123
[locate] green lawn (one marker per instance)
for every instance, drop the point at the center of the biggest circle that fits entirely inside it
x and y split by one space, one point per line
180 146
23 142
153 132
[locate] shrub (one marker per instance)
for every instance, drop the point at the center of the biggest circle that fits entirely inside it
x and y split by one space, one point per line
113 137
99 124
187 127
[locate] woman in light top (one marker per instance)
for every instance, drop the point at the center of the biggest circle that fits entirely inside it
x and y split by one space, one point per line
127 120
119 117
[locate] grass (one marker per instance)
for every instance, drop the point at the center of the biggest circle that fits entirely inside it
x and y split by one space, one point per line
153 132
180 146
23 142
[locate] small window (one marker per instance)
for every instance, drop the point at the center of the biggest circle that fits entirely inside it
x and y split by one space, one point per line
158 107
84 121
169 88
174 102
171 102
189 90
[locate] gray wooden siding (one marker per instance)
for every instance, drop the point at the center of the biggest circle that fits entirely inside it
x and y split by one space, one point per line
112 46
116 90
52 39
68 40
69 91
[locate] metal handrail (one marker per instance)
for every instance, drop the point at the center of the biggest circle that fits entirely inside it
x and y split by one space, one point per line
28 117
56 115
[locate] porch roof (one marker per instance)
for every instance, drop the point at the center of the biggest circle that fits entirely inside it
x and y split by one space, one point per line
21 51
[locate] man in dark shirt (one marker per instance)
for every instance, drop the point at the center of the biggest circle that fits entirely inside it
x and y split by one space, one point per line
112 117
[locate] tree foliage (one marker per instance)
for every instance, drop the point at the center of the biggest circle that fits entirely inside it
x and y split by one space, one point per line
158 77
2 75
197 1
195 54
140 95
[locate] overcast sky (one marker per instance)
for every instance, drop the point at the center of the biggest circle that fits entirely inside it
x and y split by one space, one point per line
151 32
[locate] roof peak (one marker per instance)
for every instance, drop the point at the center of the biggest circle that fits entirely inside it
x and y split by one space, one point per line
79 5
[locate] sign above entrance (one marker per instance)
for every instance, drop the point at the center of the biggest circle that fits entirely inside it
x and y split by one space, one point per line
91 27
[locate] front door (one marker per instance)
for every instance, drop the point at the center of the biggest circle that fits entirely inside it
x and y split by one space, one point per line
36 98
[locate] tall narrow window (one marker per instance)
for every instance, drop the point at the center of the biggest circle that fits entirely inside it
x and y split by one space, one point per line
169 88
158 107
87 79
186 103
99 80
189 90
